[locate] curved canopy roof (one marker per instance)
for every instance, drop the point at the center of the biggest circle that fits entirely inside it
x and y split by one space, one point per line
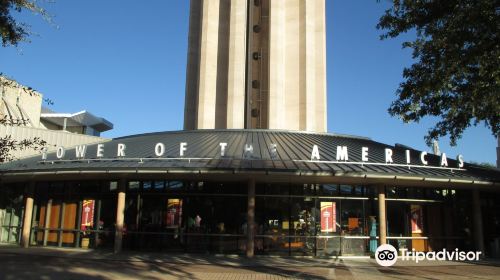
254 151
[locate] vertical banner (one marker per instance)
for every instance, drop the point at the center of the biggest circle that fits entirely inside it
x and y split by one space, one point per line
87 214
328 216
416 219
174 213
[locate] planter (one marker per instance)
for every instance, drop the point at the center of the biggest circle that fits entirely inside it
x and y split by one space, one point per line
85 242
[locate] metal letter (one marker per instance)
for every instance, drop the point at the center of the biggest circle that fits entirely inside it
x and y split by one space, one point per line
460 160
422 158
80 151
444 160
183 148
248 151
121 150
273 150
364 154
342 153
315 153
60 152
159 149
388 156
223 149
100 150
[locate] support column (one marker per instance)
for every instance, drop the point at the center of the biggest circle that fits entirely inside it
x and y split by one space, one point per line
477 221
120 215
60 233
28 214
382 216
46 231
251 218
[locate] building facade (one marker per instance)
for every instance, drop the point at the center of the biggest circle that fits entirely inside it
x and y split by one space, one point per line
24 117
253 173
250 192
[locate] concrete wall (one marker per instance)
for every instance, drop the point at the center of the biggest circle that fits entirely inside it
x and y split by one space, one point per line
53 138
297 53
291 69
19 102
215 79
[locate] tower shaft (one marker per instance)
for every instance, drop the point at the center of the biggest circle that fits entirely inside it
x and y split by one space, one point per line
256 64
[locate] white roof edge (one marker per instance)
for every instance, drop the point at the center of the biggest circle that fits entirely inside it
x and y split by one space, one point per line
95 119
64 115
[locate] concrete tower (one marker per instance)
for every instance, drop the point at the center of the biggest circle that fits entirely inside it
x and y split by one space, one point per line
256 64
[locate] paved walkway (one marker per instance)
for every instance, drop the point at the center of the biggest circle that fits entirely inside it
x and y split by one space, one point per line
53 263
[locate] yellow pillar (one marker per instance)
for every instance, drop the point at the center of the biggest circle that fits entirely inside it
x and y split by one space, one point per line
382 216
28 213
120 215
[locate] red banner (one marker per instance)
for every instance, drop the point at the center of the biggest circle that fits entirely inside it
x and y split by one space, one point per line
328 216
87 214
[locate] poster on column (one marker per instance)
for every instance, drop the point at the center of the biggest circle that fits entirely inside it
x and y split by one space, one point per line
87 214
328 216
174 213
416 219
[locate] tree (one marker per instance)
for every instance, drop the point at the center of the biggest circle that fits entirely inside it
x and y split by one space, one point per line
456 73
13 33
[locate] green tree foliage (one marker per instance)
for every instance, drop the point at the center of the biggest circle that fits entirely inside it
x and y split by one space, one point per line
13 32
456 73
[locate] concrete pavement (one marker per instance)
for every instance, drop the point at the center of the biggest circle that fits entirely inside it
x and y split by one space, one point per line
54 263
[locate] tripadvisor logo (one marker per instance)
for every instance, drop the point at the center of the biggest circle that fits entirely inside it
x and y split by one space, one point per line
387 255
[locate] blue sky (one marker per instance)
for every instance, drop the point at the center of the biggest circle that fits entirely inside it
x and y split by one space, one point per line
126 61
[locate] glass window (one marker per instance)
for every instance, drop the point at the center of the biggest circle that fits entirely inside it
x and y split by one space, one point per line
158 185
352 218
175 186
90 187
113 186
328 228
353 224
56 188
435 194
303 225
328 190
273 225
272 189
358 190
304 189
147 185
397 192
346 190
416 193
133 185
220 220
